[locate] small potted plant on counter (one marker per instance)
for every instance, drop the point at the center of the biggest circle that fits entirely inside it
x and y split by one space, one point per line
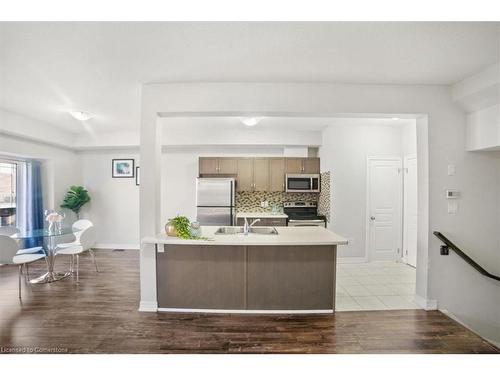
180 227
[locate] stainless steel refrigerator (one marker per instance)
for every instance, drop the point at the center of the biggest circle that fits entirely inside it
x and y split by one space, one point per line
215 202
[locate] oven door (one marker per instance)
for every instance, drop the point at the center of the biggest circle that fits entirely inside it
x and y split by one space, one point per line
307 223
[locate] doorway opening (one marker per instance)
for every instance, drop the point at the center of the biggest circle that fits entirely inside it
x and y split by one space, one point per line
383 276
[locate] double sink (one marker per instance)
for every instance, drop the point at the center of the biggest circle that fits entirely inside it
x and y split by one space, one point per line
251 230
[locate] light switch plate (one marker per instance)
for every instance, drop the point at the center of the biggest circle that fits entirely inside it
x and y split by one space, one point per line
452 207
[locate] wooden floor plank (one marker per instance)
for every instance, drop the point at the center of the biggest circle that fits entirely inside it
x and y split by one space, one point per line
99 315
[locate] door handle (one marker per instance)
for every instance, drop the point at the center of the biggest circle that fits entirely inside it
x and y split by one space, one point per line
372 218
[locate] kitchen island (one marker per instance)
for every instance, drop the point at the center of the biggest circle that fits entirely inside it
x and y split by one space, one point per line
292 271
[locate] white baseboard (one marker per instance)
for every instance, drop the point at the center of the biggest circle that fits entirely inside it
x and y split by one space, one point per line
347 260
125 246
455 318
148 306
426 304
219 311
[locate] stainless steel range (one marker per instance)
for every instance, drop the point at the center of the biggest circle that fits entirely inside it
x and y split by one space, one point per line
303 214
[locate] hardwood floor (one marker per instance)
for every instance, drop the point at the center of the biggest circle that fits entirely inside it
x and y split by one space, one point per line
99 315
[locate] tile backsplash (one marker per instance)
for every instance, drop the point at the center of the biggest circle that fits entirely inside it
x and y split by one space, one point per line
324 197
249 201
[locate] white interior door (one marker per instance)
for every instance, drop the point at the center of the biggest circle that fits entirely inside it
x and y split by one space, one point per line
410 211
384 209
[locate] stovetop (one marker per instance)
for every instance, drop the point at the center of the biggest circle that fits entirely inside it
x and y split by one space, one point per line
302 211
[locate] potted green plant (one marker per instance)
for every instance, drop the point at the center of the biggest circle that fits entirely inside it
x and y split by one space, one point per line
75 198
178 227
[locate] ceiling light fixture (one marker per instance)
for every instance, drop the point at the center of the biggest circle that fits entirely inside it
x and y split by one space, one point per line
250 121
81 115
396 118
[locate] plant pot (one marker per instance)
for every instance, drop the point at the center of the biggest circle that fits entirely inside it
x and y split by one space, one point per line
170 230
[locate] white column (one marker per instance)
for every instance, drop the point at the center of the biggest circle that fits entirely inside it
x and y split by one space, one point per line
150 202
422 282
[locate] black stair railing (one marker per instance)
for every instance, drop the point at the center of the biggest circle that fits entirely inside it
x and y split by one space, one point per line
445 250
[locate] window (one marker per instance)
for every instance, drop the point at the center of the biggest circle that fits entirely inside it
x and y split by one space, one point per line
8 192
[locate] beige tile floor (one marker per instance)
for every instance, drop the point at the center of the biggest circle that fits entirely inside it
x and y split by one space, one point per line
375 286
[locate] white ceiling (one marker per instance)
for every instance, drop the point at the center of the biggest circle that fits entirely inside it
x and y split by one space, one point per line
49 68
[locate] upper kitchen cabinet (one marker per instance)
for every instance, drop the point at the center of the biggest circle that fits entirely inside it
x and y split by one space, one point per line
277 174
257 174
208 166
294 165
261 174
228 165
214 166
245 175
302 165
311 165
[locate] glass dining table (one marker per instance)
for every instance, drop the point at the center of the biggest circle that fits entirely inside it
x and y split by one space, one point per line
50 240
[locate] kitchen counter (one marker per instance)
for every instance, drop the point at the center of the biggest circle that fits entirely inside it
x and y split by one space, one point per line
291 272
297 236
261 215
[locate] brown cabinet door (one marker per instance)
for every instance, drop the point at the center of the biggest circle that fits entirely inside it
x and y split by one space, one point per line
311 165
228 166
277 174
276 222
208 166
244 180
261 174
261 223
294 165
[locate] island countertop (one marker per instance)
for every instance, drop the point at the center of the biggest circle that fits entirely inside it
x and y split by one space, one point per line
298 236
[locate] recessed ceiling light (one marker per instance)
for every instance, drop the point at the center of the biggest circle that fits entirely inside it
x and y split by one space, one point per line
396 118
250 121
81 115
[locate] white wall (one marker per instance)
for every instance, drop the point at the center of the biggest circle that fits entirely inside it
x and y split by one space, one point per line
347 143
60 167
181 131
444 133
17 125
409 139
180 169
114 207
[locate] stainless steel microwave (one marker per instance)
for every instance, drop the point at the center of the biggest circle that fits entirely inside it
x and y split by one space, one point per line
302 183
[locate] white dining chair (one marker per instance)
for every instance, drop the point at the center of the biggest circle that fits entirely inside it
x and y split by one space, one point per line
8 231
78 226
85 241
9 254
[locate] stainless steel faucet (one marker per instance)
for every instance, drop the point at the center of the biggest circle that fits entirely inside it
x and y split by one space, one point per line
246 227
